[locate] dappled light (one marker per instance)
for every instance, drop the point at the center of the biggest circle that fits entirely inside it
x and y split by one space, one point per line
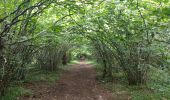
84 49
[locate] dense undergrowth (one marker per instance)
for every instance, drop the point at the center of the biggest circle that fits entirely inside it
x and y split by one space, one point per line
18 89
154 89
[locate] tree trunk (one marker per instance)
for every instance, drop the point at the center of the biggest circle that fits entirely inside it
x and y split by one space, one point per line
64 60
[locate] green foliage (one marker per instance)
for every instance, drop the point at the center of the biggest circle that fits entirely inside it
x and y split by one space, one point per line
120 88
44 76
34 75
74 62
51 57
126 36
14 92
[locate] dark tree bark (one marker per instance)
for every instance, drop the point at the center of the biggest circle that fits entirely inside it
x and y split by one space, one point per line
64 59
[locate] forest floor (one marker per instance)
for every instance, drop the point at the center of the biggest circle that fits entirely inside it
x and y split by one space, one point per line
77 83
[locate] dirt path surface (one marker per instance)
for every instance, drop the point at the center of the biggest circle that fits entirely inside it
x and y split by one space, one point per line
77 83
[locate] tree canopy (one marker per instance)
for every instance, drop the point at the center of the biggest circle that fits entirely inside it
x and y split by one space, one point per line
129 36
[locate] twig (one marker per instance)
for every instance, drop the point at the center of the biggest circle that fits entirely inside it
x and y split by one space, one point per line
143 21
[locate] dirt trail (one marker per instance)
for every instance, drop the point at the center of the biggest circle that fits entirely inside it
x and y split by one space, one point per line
77 83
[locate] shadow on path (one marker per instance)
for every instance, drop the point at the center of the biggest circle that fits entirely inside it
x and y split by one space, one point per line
76 83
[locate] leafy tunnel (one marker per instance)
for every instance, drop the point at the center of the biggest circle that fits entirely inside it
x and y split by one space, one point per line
127 36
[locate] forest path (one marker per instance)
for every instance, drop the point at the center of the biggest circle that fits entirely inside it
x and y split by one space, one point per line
76 83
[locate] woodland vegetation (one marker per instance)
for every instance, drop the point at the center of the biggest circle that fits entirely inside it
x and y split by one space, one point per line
128 37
